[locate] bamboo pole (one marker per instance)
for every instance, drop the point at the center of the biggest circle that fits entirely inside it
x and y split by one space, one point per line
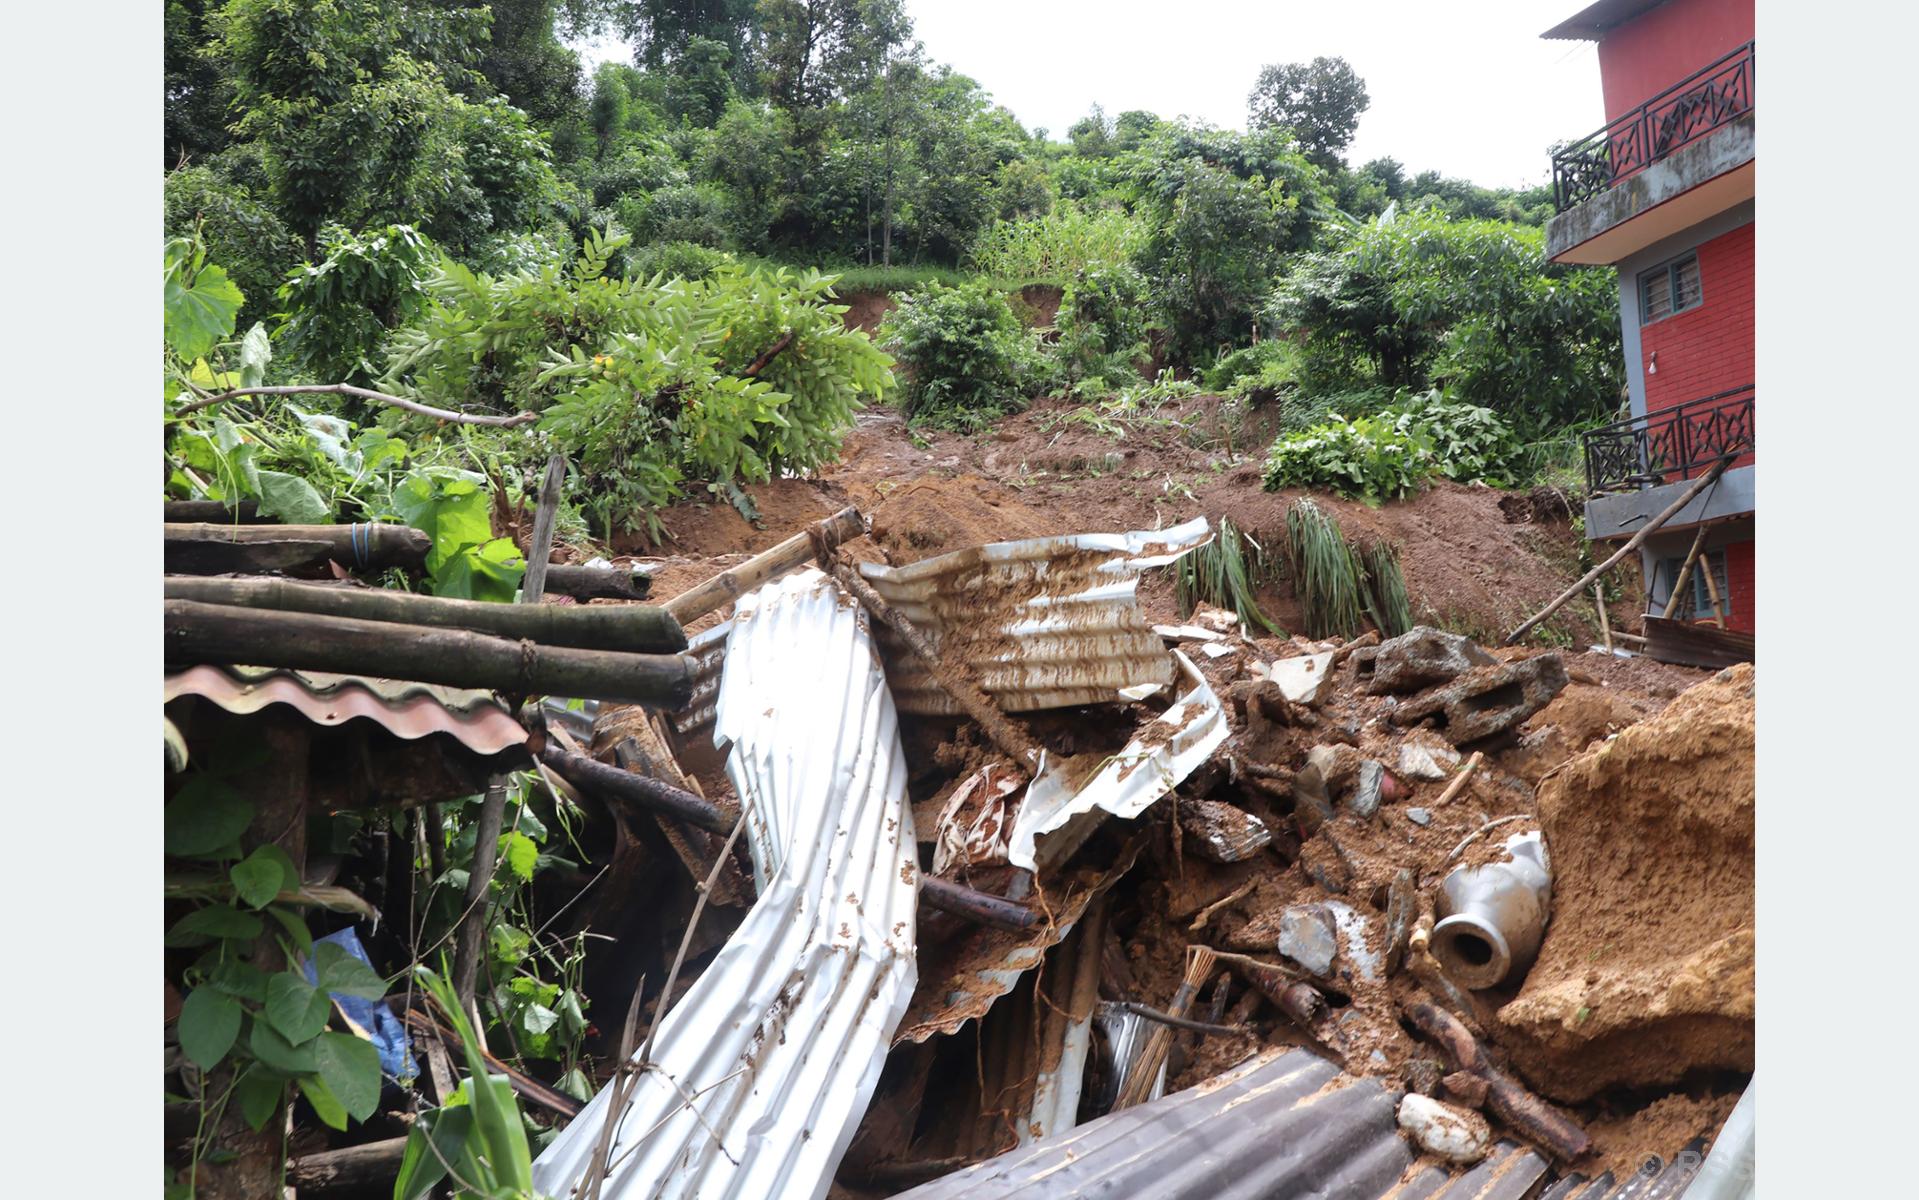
598 583
540 548
1712 593
630 628
1680 580
1605 626
366 546
1672 510
213 633
794 552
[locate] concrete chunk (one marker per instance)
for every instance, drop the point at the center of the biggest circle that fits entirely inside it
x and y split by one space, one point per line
1418 658
1487 700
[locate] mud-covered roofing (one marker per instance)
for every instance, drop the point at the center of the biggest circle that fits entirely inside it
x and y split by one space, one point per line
410 711
1592 22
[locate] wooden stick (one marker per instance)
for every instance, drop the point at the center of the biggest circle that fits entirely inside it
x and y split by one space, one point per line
473 921
979 907
363 546
1685 572
1532 1117
1459 781
952 679
598 583
364 1166
794 552
216 633
528 1087
630 628
1672 510
1163 1018
1605 626
344 389
540 547
629 787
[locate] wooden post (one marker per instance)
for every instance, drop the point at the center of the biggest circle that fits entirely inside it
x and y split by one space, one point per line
361 546
1672 510
212 633
1605 626
540 547
790 554
1712 593
640 629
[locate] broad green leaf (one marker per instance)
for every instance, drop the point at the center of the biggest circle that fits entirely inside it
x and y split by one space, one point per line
351 1067
292 499
296 1008
201 314
256 351
519 853
209 1023
214 921
204 815
326 1105
341 972
489 572
296 928
276 1052
261 876
241 980
538 1018
437 1138
259 1092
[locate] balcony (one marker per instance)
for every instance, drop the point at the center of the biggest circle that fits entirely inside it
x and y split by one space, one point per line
1669 445
1675 118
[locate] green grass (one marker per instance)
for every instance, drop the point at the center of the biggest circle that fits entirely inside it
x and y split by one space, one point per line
1224 573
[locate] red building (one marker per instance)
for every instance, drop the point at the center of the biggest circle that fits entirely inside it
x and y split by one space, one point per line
1665 194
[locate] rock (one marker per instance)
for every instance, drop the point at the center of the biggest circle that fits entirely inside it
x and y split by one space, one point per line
1364 801
1487 700
1418 658
1465 1088
1219 832
1338 763
1311 806
1419 816
1307 936
1455 1134
1646 974
1302 680
1218 620
1402 909
1428 763
1423 1075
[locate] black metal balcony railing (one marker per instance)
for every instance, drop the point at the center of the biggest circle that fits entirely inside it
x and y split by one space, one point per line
1666 445
1684 112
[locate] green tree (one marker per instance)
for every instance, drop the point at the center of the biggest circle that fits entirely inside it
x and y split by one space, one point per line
700 83
1319 101
238 231
663 31
197 90
814 51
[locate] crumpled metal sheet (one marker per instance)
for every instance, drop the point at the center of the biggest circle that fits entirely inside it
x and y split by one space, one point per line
475 719
1043 623
1165 751
707 649
965 976
764 1068
1282 1124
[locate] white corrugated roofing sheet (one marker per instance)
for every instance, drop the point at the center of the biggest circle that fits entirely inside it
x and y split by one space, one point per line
1166 750
1042 623
765 1067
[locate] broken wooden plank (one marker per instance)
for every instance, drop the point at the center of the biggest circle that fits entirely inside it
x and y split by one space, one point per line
1691 645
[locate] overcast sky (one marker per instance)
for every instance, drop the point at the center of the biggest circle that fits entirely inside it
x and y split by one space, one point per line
1467 89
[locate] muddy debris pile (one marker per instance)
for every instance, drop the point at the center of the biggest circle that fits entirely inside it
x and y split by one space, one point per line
1148 855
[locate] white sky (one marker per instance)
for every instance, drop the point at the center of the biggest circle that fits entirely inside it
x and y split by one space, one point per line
1468 89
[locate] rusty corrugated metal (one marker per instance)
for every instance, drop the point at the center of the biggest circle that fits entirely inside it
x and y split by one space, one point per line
1285 1124
762 1071
1043 623
476 719
707 649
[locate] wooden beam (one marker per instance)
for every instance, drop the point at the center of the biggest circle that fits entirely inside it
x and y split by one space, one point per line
794 552
360 546
223 634
598 583
369 1165
634 629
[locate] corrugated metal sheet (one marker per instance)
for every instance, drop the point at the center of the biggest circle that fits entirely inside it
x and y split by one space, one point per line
1165 751
1282 1125
1727 1173
1043 623
762 1071
707 649
1510 1172
407 710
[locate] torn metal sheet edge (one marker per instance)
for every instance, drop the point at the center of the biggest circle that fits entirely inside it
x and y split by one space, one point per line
1148 767
1080 640
761 1073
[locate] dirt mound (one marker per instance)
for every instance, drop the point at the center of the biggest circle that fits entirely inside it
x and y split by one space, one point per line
1646 974
934 516
865 309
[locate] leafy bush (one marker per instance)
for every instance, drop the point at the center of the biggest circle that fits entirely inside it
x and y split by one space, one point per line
334 316
676 260
1058 244
1102 325
1386 455
728 380
1257 373
247 236
966 355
